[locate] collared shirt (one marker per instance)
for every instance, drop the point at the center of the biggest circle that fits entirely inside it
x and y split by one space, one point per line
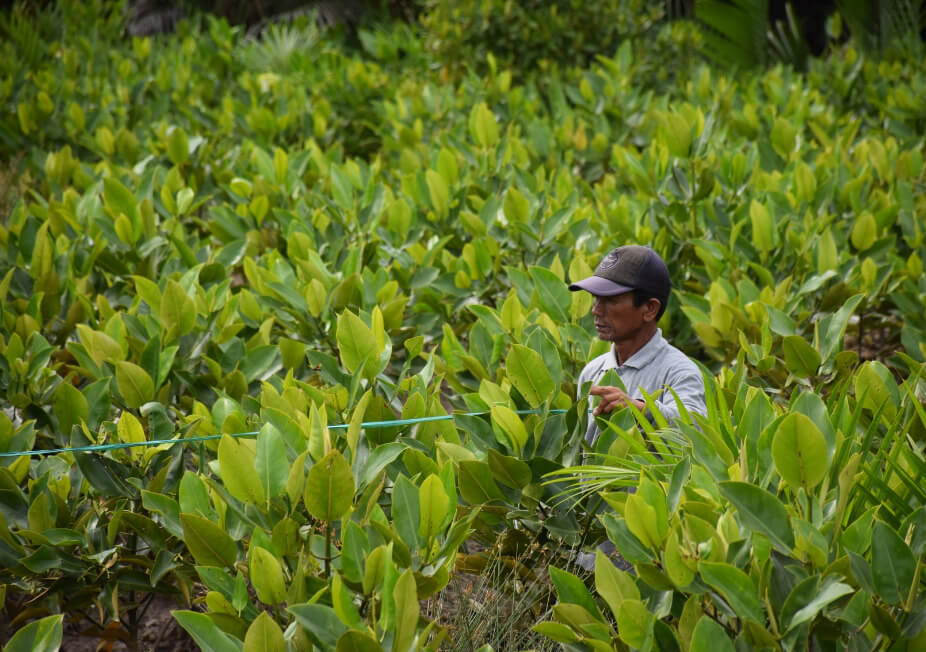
654 367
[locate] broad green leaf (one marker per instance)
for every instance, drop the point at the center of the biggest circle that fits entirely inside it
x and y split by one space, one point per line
783 137
516 206
709 636
264 635
571 589
509 471
129 430
476 484
407 610
876 389
433 504
530 375
355 341
635 624
552 293
134 383
178 311
178 146
206 633
556 631
864 231
271 463
675 565
799 451
329 487
119 199
613 584
43 635
70 408
209 544
893 565
831 592
482 126
320 622
760 511
440 194
357 641
736 587
763 227
267 576
236 466
801 359
508 424
101 347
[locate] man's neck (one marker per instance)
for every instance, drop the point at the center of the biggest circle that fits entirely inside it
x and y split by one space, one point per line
625 349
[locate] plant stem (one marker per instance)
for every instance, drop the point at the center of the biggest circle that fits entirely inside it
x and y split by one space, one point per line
328 551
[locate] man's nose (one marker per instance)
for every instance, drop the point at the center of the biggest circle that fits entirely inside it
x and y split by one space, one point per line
596 306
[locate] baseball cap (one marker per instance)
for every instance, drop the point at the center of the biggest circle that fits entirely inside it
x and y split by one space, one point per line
627 268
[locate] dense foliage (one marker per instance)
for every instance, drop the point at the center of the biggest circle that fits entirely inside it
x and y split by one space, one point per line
206 235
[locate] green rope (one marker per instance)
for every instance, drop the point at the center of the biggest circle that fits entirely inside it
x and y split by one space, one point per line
96 448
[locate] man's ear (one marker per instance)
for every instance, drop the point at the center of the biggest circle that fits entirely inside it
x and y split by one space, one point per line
651 309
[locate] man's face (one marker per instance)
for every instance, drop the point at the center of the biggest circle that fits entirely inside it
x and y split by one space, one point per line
617 319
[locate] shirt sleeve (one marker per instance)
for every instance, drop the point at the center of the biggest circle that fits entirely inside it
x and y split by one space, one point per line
689 386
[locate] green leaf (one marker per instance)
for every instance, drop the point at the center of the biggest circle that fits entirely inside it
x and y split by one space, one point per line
43 635
120 199
236 466
329 487
267 576
355 341
635 624
433 504
783 137
177 312
271 463
134 383
509 471
736 587
760 511
572 590
801 359
613 584
708 636
799 451
178 146
763 227
516 206
71 407
864 231
476 484
357 641
893 565
206 633
875 387
440 195
482 126
820 599
552 293
530 375
209 544
407 610
264 635
320 622
508 424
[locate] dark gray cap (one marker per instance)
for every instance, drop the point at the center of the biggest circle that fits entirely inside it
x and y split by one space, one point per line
627 268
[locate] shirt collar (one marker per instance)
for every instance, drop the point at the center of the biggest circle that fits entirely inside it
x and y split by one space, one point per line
646 354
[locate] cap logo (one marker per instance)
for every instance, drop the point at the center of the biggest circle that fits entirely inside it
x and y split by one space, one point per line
609 261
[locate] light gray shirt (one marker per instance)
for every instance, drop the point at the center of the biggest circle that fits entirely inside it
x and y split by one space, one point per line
654 367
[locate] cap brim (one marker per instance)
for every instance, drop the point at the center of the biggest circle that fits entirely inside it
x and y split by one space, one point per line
600 287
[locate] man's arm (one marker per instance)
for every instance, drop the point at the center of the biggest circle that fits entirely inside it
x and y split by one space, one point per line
688 386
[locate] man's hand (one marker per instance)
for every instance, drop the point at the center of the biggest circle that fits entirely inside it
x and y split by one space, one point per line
612 398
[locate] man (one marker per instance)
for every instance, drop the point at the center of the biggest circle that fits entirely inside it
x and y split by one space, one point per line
631 287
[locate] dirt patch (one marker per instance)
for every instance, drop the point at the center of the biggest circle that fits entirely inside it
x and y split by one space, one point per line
157 632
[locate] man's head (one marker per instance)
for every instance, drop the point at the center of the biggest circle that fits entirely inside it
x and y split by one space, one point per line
631 268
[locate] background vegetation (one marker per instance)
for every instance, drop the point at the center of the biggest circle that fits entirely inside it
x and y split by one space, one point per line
210 234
